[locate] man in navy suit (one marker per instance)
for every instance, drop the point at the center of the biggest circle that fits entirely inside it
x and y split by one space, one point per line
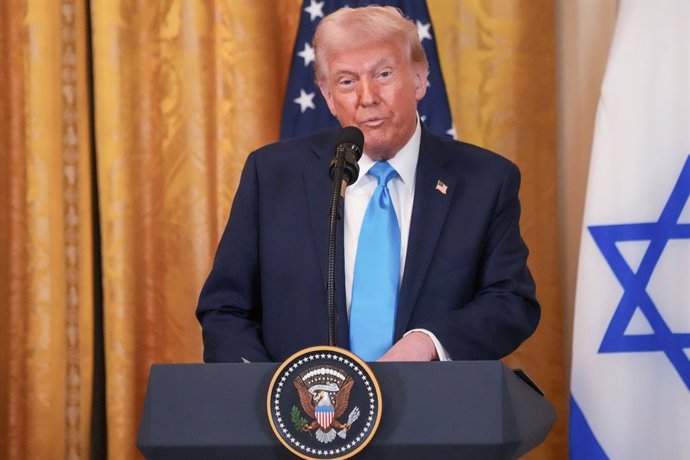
465 290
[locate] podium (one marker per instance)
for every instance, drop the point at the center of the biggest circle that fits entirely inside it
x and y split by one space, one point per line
441 410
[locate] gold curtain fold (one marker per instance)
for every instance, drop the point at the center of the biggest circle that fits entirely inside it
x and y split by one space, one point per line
499 64
46 298
183 91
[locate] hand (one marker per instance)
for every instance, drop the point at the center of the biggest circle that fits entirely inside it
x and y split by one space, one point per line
415 346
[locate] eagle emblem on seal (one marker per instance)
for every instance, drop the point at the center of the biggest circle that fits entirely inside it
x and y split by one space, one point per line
324 394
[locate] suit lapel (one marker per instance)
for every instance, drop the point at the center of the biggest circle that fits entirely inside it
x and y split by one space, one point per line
428 216
318 185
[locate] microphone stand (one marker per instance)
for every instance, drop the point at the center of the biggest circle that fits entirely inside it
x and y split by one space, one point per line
337 192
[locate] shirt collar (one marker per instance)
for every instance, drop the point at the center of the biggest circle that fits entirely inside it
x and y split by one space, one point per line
404 162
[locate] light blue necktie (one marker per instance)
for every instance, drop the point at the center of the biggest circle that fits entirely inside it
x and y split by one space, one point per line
377 272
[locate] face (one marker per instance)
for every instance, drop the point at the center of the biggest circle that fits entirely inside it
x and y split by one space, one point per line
374 87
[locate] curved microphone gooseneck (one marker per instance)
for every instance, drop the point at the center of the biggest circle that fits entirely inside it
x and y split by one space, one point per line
344 171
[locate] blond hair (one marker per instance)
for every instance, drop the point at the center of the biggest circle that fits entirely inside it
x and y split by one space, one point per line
382 23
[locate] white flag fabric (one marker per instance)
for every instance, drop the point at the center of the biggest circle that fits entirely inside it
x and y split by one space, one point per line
630 384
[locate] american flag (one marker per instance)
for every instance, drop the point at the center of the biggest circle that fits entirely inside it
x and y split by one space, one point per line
305 111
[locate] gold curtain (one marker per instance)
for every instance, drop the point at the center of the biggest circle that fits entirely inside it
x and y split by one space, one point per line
46 299
499 64
182 91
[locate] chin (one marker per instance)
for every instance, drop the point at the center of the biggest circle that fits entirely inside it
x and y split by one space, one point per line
379 149
378 154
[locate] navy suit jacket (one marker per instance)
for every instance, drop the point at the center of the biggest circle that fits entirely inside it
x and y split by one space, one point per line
466 278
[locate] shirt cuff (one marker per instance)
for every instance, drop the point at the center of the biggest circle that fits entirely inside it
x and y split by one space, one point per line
440 351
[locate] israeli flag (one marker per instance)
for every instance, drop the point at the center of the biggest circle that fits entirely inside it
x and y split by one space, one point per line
630 386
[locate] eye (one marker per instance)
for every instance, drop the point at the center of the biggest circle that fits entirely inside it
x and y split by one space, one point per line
346 83
384 74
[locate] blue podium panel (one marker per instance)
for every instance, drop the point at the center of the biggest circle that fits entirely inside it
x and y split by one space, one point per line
459 410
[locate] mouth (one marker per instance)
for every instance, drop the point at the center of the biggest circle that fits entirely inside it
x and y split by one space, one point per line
372 122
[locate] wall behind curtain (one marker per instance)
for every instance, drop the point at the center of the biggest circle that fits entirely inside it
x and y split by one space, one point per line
183 91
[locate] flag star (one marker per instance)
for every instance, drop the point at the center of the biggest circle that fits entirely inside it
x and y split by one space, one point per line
307 54
305 101
423 31
451 132
423 117
315 10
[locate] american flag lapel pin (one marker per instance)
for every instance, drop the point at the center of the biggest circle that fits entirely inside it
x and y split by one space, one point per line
441 187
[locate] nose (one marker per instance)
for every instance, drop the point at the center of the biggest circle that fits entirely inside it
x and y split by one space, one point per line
368 92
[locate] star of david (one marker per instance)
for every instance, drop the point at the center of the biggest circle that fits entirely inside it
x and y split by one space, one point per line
634 283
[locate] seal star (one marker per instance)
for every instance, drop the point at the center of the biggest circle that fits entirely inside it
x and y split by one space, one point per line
634 284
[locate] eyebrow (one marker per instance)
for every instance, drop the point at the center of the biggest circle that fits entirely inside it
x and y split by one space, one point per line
382 62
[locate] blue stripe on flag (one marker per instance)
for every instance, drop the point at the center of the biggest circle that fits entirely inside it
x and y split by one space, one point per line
583 443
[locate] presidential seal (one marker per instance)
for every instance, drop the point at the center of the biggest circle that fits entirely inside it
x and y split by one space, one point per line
324 403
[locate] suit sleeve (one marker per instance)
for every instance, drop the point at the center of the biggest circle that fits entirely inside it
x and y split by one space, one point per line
503 311
229 307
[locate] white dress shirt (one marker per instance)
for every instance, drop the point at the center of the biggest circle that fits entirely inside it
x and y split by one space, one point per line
401 190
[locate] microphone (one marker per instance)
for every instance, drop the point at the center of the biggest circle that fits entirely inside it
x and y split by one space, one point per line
344 171
347 154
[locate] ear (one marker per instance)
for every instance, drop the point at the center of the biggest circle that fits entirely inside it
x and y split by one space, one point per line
326 92
421 76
